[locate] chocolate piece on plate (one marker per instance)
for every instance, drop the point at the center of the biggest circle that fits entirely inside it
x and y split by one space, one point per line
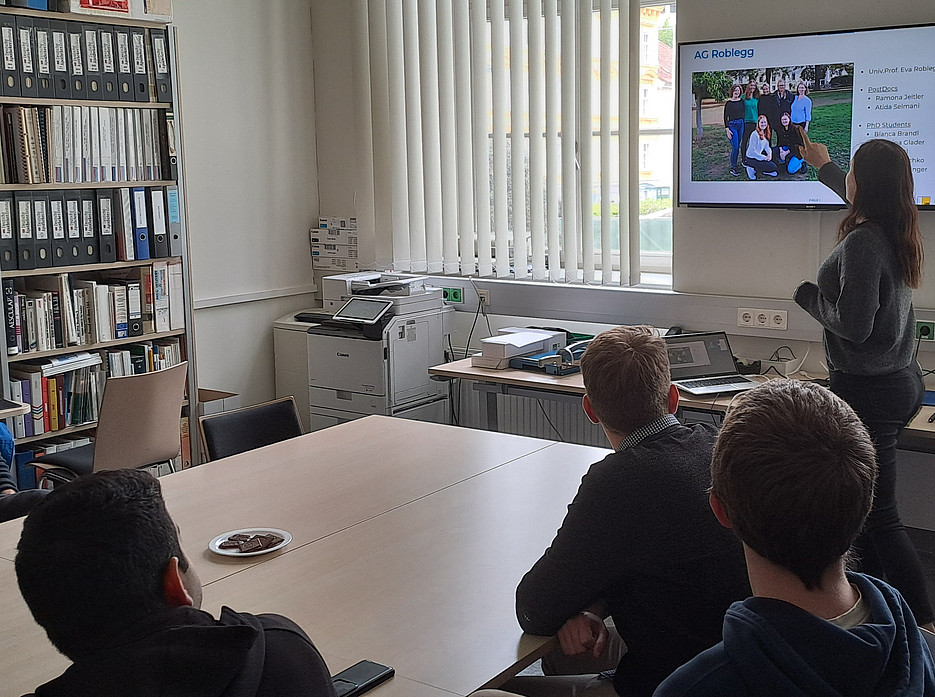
229 544
251 545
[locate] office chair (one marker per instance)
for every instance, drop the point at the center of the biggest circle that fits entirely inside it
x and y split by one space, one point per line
139 425
240 430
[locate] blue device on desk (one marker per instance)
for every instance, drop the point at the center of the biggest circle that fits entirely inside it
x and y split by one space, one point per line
565 361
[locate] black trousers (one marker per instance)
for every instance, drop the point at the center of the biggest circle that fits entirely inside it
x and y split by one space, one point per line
885 404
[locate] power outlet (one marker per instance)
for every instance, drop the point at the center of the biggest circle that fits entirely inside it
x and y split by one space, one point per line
745 317
761 318
925 331
483 296
452 295
778 319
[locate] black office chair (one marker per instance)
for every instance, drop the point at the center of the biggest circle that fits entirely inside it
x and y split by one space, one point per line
240 430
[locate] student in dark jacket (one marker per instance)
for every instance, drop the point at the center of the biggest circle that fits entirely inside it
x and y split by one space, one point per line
793 474
100 567
783 99
787 154
768 106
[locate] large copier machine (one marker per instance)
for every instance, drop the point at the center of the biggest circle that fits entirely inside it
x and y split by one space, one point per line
372 356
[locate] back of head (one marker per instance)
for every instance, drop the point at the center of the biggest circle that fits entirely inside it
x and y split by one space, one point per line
92 555
794 468
626 376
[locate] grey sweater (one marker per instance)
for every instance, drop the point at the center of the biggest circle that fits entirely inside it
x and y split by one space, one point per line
861 300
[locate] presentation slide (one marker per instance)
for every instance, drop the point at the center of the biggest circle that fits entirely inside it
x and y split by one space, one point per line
739 102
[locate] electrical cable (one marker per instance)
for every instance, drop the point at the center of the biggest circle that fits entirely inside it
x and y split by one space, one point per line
775 355
467 346
545 414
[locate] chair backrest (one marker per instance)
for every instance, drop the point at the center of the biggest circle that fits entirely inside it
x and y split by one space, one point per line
240 430
139 423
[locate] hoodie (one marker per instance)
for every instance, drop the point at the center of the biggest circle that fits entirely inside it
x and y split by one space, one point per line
774 648
185 652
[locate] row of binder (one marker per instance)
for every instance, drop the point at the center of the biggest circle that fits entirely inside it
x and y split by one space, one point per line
83 144
60 59
57 402
45 229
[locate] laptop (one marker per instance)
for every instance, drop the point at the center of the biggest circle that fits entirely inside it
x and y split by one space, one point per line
703 364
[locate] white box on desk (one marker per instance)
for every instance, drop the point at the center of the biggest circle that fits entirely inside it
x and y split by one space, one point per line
335 264
335 223
343 251
337 236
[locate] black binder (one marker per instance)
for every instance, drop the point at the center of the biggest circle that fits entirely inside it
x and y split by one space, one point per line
124 64
109 81
8 256
76 61
91 45
107 244
26 43
61 72
73 227
156 220
44 57
159 38
9 57
140 74
89 236
41 229
58 228
25 241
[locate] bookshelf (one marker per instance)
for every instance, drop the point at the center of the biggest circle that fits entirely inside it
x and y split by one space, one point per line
120 159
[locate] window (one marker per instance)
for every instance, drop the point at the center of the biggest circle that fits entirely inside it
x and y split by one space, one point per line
470 120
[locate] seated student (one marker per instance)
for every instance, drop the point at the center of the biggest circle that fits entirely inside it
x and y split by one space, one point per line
787 152
793 474
639 542
758 157
13 503
101 569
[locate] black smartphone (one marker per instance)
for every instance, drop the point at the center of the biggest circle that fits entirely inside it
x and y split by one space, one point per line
361 677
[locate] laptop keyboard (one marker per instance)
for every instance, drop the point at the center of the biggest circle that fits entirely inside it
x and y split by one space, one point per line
707 382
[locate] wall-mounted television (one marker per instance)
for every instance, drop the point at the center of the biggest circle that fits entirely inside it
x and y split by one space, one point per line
848 87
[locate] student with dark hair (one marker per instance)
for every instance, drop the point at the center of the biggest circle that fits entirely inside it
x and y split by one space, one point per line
100 567
863 300
793 475
787 153
639 542
751 103
768 107
733 123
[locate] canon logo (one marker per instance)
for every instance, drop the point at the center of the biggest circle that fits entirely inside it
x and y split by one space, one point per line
343 355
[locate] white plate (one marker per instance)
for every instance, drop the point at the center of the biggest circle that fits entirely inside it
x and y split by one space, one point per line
213 544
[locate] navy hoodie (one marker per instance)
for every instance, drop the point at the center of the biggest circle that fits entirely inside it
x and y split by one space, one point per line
773 648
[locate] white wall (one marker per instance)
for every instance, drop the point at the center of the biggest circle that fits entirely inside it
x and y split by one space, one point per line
250 175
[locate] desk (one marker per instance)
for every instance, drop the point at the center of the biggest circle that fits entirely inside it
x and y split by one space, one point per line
409 540
919 435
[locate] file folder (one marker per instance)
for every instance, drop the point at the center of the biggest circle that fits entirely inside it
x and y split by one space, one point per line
76 58
26 43
174 220
89 236
134 308
124 65
58 228
8 254
140 74
9 65
123 225
107 245
140 229
109 80
168 154
44 57
61 74
25 242
159 37
156 219
41 231
73 227
91 44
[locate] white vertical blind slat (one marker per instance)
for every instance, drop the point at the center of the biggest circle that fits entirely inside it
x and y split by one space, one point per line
570 218
431 137
382 149
464 143
605 144
552 143
416 182
363 129
480 69
518 138
629 101
501 221
446 135
399 171
536 143
585 71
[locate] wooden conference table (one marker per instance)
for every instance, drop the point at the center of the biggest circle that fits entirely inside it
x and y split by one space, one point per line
408 541
918 435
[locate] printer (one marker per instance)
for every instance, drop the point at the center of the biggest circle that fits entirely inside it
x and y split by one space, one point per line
372 356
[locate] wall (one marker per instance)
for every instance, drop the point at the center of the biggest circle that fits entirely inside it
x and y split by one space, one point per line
250 175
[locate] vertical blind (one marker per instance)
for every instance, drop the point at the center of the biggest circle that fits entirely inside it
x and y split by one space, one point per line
487 132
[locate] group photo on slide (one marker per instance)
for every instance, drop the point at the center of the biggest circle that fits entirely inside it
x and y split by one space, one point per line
748 123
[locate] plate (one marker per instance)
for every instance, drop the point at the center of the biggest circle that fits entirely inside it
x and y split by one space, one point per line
213 544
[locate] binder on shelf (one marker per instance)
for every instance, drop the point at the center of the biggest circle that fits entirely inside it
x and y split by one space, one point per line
26 43
125 83
134 308
118 297
156 219
8 253
76 65
140 74
107 245
176 296
105 132
9 316
123 225
78 155
61 75
91 44
44 57
109 81
58 228
161 296
41 229
94 160
73 227
89 238
159 38
174 219
25 243
57 144
168 153
9 65
140 228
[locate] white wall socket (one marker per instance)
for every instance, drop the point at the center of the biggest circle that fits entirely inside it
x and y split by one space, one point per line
483 297
778 319
762 317
745 317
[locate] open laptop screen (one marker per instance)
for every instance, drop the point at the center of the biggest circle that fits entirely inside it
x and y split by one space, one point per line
700 355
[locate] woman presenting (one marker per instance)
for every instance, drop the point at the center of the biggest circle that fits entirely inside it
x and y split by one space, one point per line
863 299
733 124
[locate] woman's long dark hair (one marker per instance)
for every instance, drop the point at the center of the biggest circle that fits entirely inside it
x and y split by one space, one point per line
885 196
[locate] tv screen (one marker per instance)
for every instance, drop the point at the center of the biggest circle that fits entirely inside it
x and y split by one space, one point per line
739 101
